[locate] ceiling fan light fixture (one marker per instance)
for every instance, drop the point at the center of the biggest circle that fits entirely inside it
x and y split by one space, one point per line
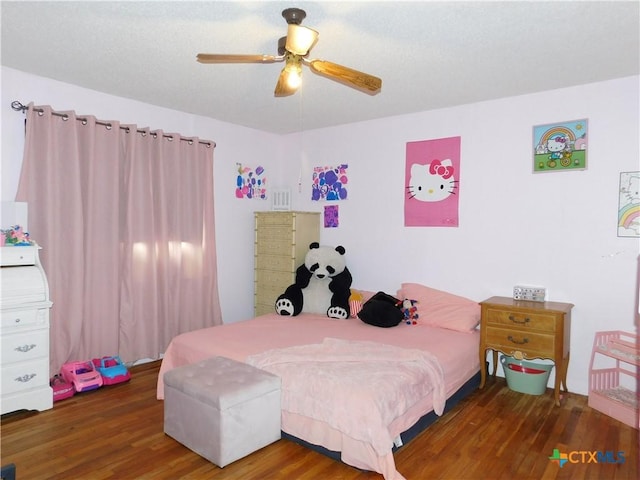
293 49
300 39
293 71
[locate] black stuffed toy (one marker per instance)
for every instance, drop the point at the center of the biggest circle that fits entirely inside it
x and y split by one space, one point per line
322 285
382 310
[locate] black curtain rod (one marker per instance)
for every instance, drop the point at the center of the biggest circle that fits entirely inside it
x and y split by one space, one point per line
19 107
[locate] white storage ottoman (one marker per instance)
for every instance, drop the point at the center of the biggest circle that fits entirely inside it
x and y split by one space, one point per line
222 409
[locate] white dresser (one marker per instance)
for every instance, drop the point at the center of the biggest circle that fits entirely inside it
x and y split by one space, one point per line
24 334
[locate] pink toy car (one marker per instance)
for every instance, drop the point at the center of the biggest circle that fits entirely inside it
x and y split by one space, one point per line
82 375
112 370
61 388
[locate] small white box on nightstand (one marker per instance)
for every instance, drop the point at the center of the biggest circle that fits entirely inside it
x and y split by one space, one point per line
527 292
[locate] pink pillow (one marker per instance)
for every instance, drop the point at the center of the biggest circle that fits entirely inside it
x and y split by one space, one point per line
437 308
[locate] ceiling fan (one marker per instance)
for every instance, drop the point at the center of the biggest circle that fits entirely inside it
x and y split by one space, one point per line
293 50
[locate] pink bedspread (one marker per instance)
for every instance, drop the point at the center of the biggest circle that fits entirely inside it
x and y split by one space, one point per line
456 352
326 380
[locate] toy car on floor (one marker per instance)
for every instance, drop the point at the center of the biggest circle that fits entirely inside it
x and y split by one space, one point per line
112 370
61 388
82 375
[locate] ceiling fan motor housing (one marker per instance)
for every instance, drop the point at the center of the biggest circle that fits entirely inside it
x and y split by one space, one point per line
294 15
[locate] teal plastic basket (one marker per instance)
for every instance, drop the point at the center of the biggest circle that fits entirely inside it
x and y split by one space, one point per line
524 376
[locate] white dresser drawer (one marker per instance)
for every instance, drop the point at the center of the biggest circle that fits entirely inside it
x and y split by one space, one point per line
24 376
20 285
21 347
11 256
33 317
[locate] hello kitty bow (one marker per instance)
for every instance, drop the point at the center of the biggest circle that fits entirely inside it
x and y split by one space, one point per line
436 168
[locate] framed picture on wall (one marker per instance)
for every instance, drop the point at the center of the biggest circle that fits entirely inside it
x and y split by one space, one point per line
560 146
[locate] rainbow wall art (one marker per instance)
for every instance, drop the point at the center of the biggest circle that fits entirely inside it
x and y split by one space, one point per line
629 205
560 146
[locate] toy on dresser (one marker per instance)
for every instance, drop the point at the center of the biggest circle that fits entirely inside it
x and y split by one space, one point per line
15 236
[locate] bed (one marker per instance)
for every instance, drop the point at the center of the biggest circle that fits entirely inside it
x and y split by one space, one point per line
426 364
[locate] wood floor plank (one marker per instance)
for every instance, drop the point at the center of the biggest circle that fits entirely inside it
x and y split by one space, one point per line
116 432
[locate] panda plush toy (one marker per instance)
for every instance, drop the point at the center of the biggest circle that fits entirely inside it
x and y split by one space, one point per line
322 285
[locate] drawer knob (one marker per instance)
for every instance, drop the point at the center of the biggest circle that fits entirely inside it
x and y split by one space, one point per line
17 320
518 342
25 348
25 378
521 322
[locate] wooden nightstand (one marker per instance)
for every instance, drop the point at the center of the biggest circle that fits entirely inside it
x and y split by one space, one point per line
526 330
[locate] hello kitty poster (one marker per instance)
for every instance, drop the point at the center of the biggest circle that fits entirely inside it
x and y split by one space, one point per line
432 183
560 146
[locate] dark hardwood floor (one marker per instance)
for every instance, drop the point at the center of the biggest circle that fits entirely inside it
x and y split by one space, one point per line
116 432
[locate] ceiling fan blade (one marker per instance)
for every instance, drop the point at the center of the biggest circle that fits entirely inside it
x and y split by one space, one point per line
230 58
283 87
300 39
353 78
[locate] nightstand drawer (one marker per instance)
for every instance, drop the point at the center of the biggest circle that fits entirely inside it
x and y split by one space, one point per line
511 340
514 319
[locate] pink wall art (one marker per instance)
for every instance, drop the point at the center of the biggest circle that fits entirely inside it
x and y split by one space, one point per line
331 216
432 176
250 183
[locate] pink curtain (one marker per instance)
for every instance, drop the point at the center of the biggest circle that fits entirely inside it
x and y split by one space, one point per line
126 224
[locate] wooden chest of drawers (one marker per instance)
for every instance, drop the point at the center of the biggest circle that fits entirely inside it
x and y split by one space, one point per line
281 243
527 330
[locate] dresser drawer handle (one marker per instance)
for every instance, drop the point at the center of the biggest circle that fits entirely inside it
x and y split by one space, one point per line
25 348
25 378
518 342
521 322
17 320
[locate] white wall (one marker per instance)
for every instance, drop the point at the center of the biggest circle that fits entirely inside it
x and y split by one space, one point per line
555 229
552 229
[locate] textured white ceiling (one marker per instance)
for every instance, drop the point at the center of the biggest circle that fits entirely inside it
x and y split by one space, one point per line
429 54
